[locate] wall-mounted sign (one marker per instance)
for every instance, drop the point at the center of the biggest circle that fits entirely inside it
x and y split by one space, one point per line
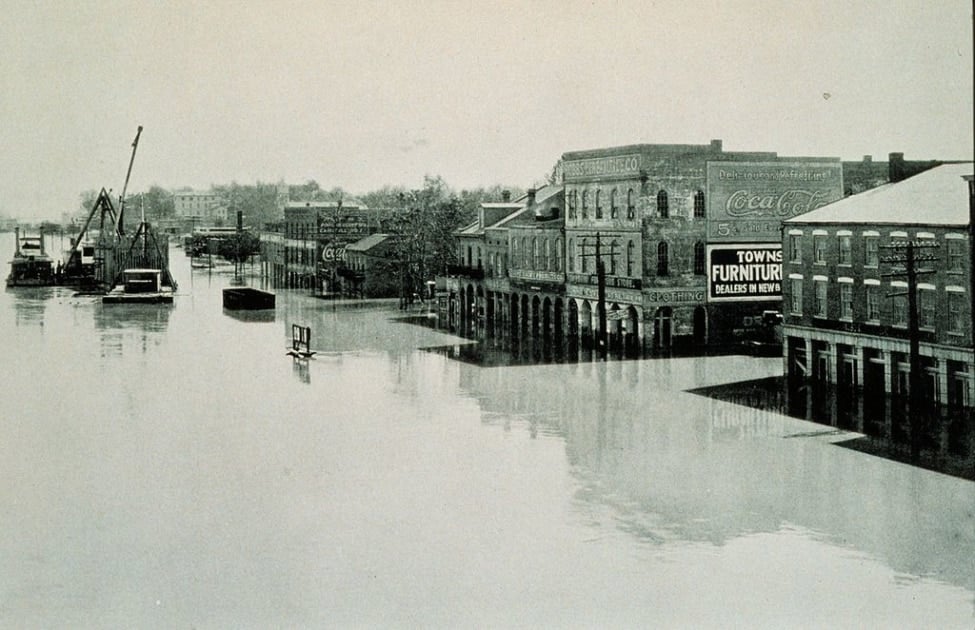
616 165
745 273
674 296
333 253
747 201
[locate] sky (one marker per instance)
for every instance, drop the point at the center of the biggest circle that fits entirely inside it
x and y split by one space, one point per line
360 94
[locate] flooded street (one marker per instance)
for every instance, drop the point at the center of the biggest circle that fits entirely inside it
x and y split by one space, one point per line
172 467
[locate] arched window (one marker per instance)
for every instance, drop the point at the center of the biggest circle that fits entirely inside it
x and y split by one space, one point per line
470 256
613 252
663 205
584 262
526 258
613 211
546 255
629 257
536 258
571 257
514 250
630 208
478 257
599 204
585 204
699 204
558 254
572 204
663 259
699 258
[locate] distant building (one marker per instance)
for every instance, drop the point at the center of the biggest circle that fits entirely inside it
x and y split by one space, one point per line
203 208
846 318
372 268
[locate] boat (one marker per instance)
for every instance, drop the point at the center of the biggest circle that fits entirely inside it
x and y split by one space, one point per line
30 266
140 286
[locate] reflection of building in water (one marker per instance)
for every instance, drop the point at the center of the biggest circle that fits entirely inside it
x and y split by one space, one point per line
670 465
847 318
300 368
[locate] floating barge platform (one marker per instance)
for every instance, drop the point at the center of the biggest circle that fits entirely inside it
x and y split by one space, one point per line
247 299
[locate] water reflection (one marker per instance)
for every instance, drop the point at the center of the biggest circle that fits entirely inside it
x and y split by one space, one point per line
29 304
670 466
943 438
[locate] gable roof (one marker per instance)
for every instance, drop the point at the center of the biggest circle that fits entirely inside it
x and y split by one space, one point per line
939 196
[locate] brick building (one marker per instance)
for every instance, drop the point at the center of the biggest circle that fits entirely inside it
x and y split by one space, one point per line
846 318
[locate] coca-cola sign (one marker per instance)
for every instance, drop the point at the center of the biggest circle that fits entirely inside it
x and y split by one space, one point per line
747 201
744 203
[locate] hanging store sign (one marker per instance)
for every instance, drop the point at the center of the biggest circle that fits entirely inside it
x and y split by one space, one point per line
745 273
747 201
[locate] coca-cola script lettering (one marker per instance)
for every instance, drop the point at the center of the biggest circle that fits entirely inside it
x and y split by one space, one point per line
743 203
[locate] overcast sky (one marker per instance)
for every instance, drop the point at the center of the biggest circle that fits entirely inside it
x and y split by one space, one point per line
359 95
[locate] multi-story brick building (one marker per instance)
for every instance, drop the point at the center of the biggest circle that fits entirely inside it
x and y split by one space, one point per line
846 319
664 216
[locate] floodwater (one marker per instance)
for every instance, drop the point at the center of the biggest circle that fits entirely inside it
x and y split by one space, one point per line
172 467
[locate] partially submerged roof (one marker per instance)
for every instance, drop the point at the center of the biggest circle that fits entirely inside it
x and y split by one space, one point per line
939 196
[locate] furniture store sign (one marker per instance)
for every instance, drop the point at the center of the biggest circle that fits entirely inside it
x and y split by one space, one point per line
744 273
747 201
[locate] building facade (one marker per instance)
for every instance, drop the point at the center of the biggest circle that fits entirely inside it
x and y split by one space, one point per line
847 309
202 208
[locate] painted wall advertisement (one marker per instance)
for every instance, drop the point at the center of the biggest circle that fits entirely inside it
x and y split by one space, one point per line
747 201
750 272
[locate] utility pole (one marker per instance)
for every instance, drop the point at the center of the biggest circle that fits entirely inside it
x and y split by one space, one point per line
600 292
910 259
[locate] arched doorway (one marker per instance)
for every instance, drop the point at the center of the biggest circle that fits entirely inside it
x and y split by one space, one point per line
662 324
573 319
536 316
614 328
585 323
547 319
513 313
700 325
557 318
631 335
525 320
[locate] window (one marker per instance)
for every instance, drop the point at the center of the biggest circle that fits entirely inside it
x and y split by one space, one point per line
613 210
514 250
571 257
663 259
663 205
795 248
478 257
900 310
956 255
613 251
599 204
630 208
526 259
819 308
536 259
956 310
572 204
873 302
846 301
699 204
819 249
558 254
584 264
547 255
796 297
871 248
629 258
470 256
846 255
699 258
585 204
926 306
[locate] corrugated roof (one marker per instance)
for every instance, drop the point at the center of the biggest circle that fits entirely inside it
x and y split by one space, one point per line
938 196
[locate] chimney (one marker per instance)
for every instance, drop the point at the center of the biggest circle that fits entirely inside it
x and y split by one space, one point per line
867 159
531 197
716 145
895 167
506 196
17 241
